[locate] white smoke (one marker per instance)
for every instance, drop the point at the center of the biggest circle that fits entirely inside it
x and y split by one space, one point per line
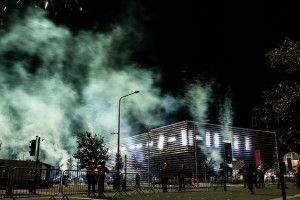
55 83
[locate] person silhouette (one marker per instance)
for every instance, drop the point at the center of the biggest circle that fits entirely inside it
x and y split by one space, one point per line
90 176
165 177
181 177
101 169
250 171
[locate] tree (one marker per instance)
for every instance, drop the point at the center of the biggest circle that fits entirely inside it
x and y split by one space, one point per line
90 147
208 166
282 102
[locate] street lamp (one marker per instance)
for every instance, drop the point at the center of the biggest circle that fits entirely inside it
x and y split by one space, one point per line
148 127
118 154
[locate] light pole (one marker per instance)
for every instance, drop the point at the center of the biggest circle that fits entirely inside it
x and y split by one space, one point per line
148 127
118 154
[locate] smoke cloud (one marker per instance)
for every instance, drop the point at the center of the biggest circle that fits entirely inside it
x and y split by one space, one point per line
54 83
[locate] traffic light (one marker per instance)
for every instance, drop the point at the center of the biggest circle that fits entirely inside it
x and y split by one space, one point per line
32 147
228 153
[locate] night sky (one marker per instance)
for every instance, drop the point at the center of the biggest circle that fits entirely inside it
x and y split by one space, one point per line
187 40
64 66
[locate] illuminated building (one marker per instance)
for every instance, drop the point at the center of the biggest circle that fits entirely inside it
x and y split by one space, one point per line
175 144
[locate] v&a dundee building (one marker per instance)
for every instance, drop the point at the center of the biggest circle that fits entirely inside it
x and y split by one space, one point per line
192 143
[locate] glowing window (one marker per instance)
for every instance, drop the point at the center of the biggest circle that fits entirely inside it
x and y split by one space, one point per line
150 143
247 143
208 139
131 147
172 139
161 142
235 143
191 138
216 140
138 146
198 137
183 138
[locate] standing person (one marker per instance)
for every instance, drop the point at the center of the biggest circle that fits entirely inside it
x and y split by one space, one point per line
297 174
244 178
31 177
137 180
192 182
272 179
102 169
255 179
250 177
181 177
261 179
222 174
165 177
90 177
212 180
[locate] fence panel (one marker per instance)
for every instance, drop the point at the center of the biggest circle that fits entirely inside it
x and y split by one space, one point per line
74 182
4 177
26 182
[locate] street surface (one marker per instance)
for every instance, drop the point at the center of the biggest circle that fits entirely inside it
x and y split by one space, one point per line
234 192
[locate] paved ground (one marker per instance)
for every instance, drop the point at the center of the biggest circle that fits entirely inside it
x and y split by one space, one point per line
234 192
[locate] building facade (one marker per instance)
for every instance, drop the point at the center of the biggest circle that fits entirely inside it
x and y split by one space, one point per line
193 144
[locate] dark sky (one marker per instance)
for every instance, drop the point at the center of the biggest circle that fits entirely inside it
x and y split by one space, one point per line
187 39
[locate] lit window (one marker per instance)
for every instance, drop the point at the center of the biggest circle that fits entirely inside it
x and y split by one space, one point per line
161 142
191 138
198 137
172 139
208 139
216 140
247 143
183 138
235 143
150 144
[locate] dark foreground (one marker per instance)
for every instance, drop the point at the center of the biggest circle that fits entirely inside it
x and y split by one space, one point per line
234 192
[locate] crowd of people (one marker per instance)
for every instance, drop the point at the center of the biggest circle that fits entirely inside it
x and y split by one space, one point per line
255 178
252 178
96 175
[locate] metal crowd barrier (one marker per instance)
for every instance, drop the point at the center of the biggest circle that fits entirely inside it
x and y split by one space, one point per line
29 182
74 182
23 182
3 180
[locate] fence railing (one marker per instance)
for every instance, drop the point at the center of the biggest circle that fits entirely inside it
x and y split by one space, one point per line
21 182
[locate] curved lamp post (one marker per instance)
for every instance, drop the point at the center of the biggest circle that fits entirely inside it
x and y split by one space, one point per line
118 154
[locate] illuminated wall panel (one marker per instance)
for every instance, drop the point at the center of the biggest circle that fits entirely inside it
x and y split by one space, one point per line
175 144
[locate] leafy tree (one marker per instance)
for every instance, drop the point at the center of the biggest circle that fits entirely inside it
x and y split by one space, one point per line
90 147
208 167
282 102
